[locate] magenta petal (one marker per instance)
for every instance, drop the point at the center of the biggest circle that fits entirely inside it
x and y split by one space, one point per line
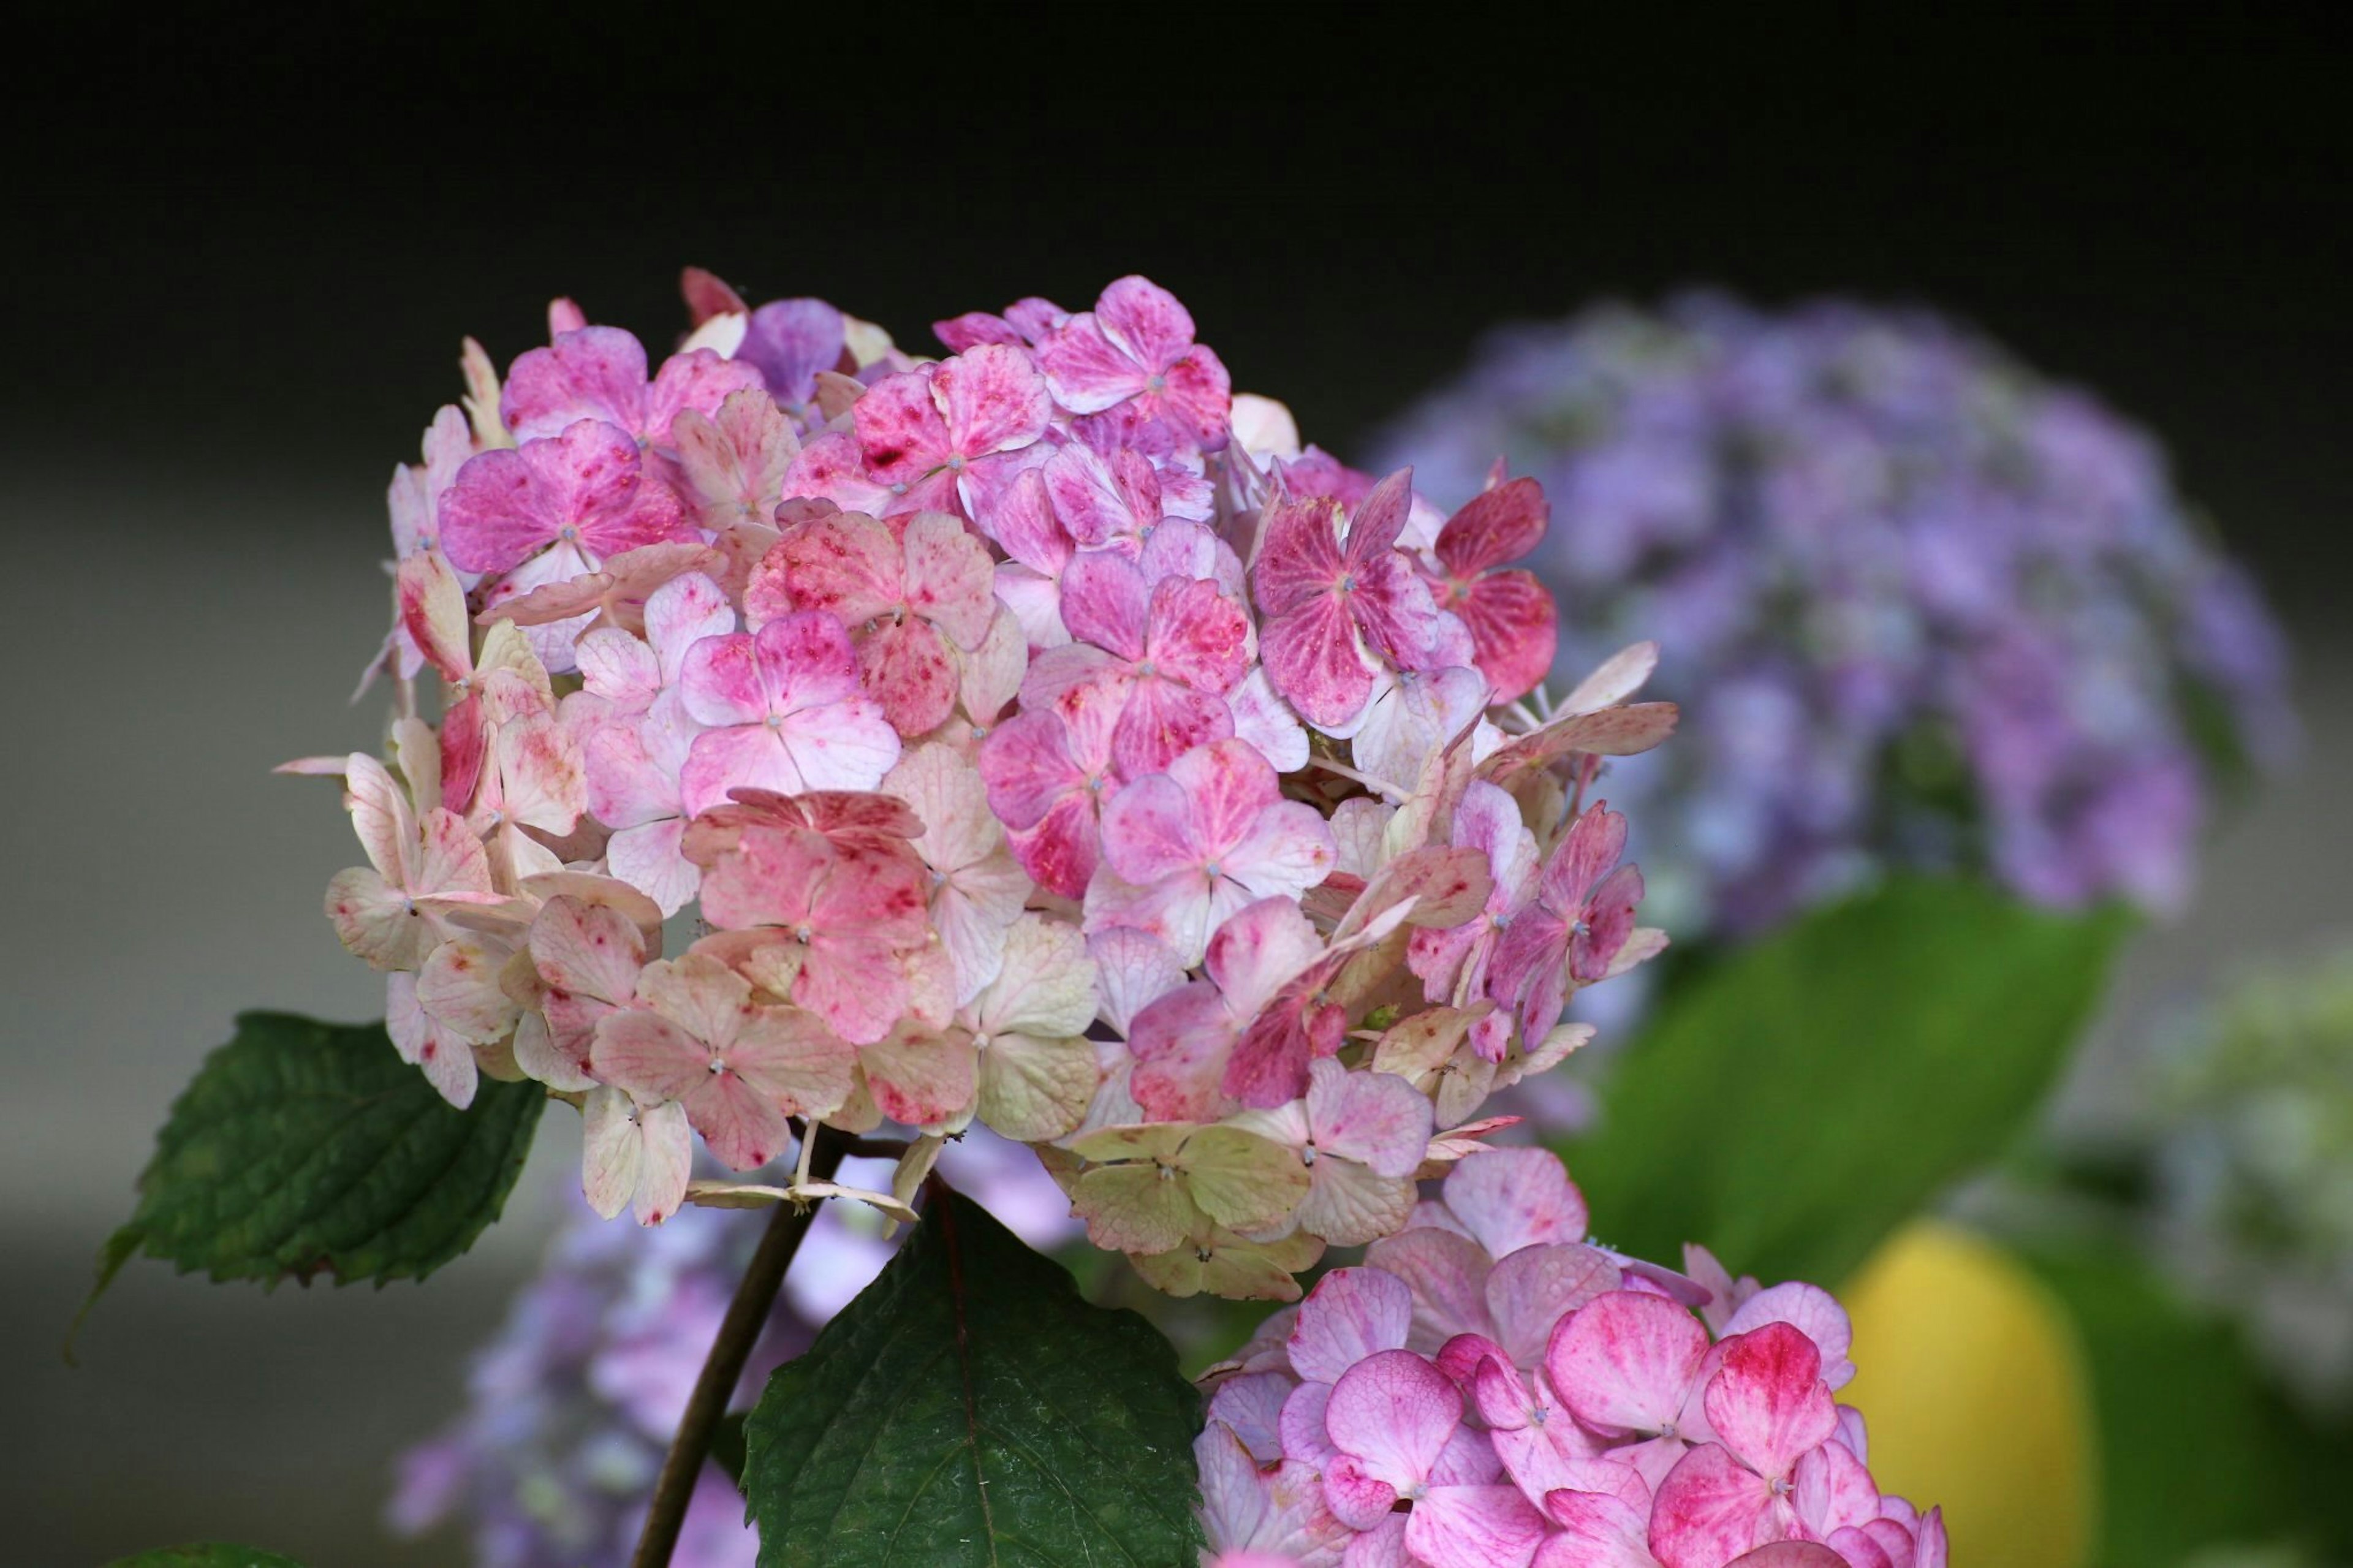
1148 320
1162 722
1086 369
1194 633
1311 660
1148 832
1513 624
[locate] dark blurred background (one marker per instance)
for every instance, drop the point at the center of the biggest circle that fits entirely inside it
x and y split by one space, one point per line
241 251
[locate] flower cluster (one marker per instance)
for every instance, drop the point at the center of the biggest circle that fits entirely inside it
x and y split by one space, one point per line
1043 739
1495 1390
1933 609
2251 1125
572 1404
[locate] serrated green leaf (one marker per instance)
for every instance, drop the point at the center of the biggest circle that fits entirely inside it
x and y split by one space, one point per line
209 1554
1791 1105
303 1149
968 1407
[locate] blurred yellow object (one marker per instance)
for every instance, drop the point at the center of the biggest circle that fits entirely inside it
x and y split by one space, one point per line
1974 1390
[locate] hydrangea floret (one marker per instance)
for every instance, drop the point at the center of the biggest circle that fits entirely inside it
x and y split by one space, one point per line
1493 1388
1036 735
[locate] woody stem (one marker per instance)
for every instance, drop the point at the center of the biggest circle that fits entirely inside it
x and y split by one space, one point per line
747 1314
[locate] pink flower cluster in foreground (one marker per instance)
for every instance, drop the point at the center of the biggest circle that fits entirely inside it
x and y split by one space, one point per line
1042 738
1493 1390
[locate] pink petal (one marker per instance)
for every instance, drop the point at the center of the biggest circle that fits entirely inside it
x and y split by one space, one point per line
1598 1530
848 564
833 466
1496 526
1626 1360
1027 764
1709 1510
682 613
908 668
1022 520
1350 1314
594 373
1298 557
1162 722
1198 398
1814 1312
1448 1276
1511 1198
1180 1042
1194 633
900 429
975 328
1394 1412
992 398
1792 1554
1148 831
1376 1119
1513 623
1769 1404
1531 1290
1311 656
647 857
1098 501
1147 320
1106 602
432 607
949 579
791 1061
1062 850
740 1124
1086 369
1474 1527
1833 1491
744 756
699 380
647 1055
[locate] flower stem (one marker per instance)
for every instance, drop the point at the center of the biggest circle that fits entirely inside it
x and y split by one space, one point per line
747 1314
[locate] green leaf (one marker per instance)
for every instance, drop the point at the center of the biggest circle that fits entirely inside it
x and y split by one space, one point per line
968 1407
304 1149
1792 1104
210 1554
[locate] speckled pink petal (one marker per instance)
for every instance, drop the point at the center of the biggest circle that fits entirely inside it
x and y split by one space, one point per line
1149 833
1021 520
592 373
949 580
446 1061
1162 722
1298 558
1106 602
1180 1042
911 673
1394 1413
1098 501
1815 1313
900 429
1147 320
1532 1290
848 564
833 466
1494 527
1086 370
920 1077
1489 1526
1598 1530
1197 399
993 400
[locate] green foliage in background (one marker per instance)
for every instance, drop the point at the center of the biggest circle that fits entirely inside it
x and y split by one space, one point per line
1792 1104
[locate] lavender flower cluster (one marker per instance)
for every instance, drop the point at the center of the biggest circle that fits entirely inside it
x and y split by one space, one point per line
1923 608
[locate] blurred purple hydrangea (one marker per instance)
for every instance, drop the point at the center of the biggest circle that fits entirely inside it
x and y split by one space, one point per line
571 1407
1924 607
